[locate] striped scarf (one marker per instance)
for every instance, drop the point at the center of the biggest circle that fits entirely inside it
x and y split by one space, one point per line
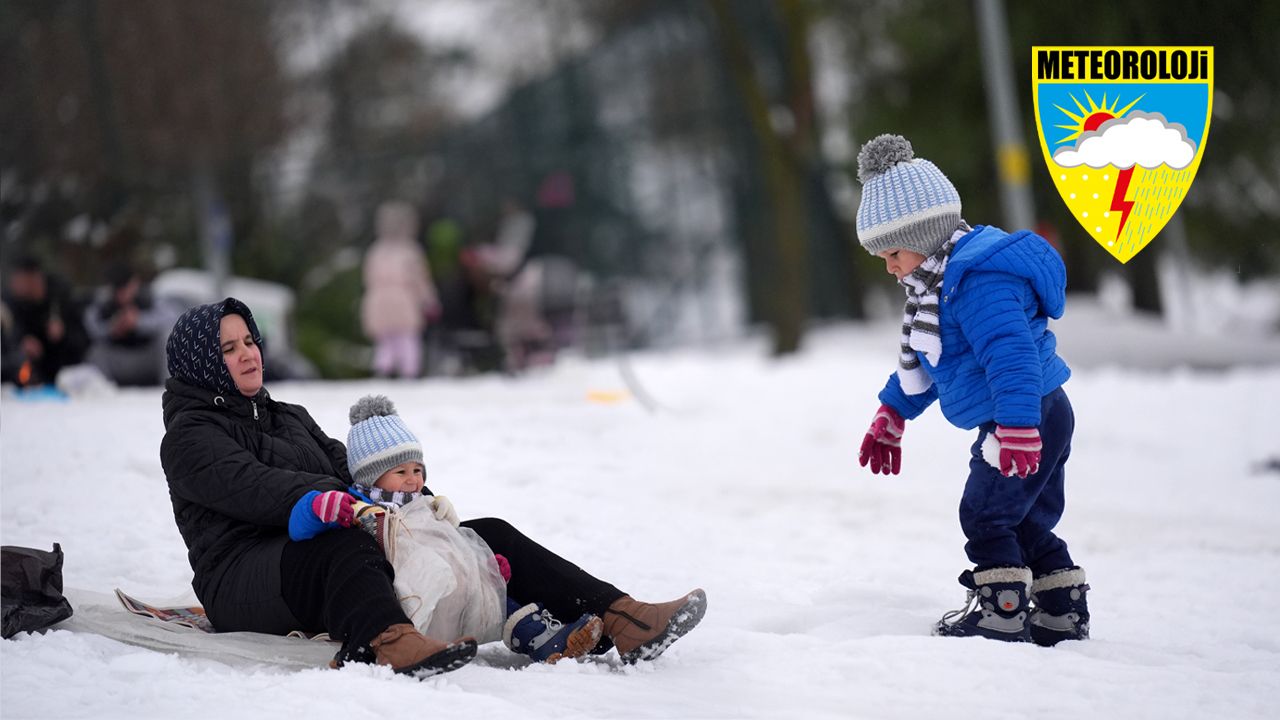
399 499
920 317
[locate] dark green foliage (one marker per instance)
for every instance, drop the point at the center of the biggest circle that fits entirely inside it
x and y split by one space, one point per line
327 320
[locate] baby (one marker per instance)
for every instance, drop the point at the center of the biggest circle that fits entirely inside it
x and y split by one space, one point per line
449 581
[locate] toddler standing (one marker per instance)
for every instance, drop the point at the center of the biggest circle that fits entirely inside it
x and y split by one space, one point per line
975 338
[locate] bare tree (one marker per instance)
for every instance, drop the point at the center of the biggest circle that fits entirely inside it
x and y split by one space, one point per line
112 108
787 140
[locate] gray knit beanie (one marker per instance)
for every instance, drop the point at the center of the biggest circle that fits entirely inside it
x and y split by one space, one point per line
906 202
378 441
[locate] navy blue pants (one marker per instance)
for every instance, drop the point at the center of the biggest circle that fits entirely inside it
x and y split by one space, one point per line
1009 521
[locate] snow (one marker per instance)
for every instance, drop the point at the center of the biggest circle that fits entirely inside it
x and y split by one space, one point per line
822 579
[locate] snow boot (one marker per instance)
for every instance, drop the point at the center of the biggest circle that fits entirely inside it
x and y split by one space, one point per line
532 631
643 631
997 607
409 652
1062 610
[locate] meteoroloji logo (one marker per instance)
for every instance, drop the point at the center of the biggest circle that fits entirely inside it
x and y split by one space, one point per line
1122 131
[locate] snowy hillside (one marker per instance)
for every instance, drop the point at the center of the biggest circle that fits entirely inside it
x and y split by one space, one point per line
822 580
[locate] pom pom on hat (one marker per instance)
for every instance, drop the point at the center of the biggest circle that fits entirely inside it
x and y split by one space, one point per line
371 406
378 441
882 153
907 203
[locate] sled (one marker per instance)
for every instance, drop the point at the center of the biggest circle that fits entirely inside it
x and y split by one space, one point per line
184 629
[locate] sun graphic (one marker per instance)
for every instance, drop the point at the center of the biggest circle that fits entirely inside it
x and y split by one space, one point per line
1090 119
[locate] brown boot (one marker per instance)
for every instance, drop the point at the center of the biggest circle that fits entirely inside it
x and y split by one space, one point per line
409 652
642 631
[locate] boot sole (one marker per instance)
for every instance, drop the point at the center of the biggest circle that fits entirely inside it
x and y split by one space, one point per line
684 620
962 631
1044 637
447 660
580 641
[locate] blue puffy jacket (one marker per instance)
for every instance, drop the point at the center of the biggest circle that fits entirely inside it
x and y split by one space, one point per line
998 355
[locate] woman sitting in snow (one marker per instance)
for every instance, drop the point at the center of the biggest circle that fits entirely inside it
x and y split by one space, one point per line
240 465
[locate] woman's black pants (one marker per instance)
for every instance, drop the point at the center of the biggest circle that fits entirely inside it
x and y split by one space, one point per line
539 575
340 582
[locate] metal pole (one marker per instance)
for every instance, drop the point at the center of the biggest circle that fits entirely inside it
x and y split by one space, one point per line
1002 103
215 233
1177 297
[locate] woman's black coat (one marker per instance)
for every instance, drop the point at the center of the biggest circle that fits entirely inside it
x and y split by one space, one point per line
236 466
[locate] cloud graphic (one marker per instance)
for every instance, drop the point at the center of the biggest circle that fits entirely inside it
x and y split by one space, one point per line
1139 138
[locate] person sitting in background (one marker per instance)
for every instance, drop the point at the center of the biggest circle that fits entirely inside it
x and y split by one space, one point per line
534 291
458 342
126 328
45 324
10 353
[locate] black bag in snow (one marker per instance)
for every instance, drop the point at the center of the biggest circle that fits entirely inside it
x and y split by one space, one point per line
31 583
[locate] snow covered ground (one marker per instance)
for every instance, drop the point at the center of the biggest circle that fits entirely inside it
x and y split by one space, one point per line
823 580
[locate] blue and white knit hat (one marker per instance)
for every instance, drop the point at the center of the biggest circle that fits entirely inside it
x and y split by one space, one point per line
378 441
906 202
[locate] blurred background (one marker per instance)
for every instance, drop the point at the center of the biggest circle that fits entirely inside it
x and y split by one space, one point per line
520 177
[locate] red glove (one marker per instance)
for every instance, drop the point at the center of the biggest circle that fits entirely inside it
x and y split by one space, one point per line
335 506
882 445
1019 450
504 567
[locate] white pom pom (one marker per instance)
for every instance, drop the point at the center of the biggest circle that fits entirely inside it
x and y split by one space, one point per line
991 450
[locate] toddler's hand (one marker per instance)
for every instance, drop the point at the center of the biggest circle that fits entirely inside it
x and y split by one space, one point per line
882 445
335 506
1019 450
444 509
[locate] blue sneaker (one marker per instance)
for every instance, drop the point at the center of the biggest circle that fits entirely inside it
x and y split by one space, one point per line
998 606
532 631
1062 608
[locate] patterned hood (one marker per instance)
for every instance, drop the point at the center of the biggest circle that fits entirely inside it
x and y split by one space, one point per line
193 350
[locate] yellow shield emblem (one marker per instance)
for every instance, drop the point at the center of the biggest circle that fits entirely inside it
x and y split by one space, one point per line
1122 130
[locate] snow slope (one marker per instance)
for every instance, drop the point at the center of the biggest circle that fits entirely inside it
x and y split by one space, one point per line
823 580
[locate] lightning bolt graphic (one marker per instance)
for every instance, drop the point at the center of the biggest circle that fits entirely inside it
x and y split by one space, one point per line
1118 202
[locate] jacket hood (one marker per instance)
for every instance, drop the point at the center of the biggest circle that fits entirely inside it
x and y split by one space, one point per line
193 351
1022 254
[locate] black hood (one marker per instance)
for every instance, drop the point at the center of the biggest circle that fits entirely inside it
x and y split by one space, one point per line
194 350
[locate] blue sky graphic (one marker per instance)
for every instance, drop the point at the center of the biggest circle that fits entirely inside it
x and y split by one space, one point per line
1185 104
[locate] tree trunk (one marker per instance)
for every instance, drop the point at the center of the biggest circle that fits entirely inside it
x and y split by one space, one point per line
787 302
1141 271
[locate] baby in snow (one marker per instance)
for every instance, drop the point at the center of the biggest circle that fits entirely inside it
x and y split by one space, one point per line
449 581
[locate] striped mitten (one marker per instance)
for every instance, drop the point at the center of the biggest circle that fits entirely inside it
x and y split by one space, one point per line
882 445
335 506
1019 450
